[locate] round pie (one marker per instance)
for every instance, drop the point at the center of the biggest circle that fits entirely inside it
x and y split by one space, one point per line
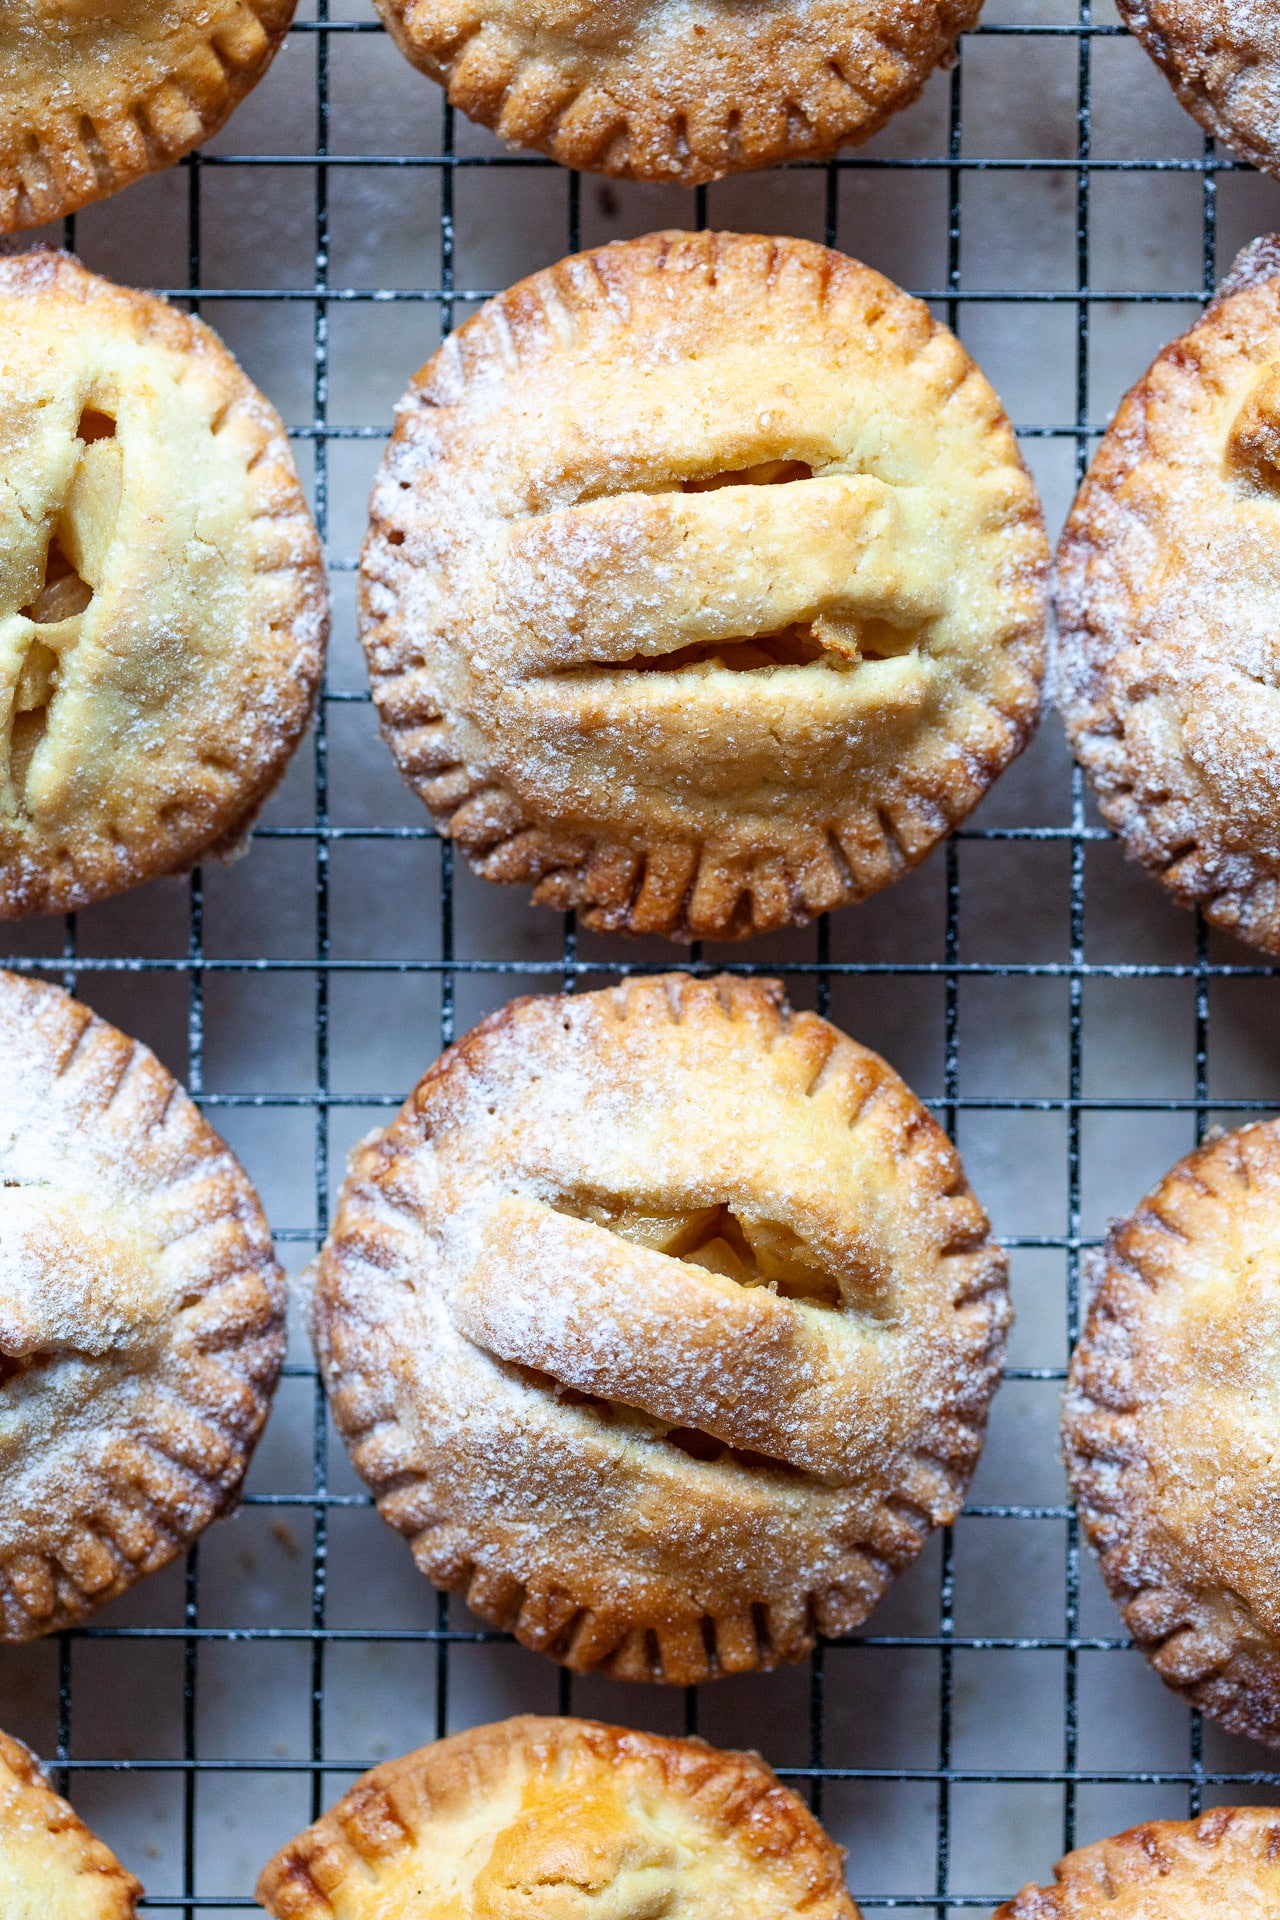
1222 58
1167 667
96 93
141 1313
1225 1863
162 597
663 1323
1172 1427
668 90
704 584
51 1866
538 1819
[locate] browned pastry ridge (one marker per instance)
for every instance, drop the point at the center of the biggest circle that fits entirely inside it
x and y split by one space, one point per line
51 1866
1223 1866
1172 1427
95 95
558 1820
1167 662
663 1323
704 585
1222 58
163 608
141 1313
683 90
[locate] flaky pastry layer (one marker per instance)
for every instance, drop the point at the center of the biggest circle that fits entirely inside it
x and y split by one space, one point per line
51 1866
663 1323
1225 1863
93 96
163 608
683 90
557 1820
1167 663
141 1313
704 585
1172 1427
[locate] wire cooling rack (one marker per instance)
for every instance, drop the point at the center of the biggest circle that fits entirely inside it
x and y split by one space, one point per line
1057 1017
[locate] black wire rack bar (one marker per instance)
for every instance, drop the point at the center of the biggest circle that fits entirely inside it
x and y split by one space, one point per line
196 966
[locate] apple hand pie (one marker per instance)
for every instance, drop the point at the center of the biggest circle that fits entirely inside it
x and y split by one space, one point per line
96 93
1223 1866
141 1313
538 1819
1172 1427
1167 665
51 1866
663 1323
162 597
704 585
656 90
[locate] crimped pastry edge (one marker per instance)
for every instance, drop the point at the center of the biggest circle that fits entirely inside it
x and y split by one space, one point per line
165 1501
1233 890
81 879
1193 92
509 88
118 1886
686 889
373 1819
601 1636
152 131
1235 1682
1089 1879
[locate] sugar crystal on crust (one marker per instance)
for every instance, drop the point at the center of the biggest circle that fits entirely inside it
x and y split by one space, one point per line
679 90
94 96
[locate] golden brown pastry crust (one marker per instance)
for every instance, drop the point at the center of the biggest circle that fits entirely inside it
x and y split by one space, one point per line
96 93
1167 665
144 720
1172 1427
675 1241
1222 58
572 549
141 1313
1226 1863
51 1866
558 1820
664 90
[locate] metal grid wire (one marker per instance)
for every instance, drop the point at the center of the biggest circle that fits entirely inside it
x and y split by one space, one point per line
449 1629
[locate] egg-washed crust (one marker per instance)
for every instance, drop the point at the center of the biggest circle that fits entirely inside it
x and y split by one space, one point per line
1222 58
542 528
771 1463
1171 1427
1226 1862
51 1865
129 1419
665 91
187 682
93 97
1168 579
412 1808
